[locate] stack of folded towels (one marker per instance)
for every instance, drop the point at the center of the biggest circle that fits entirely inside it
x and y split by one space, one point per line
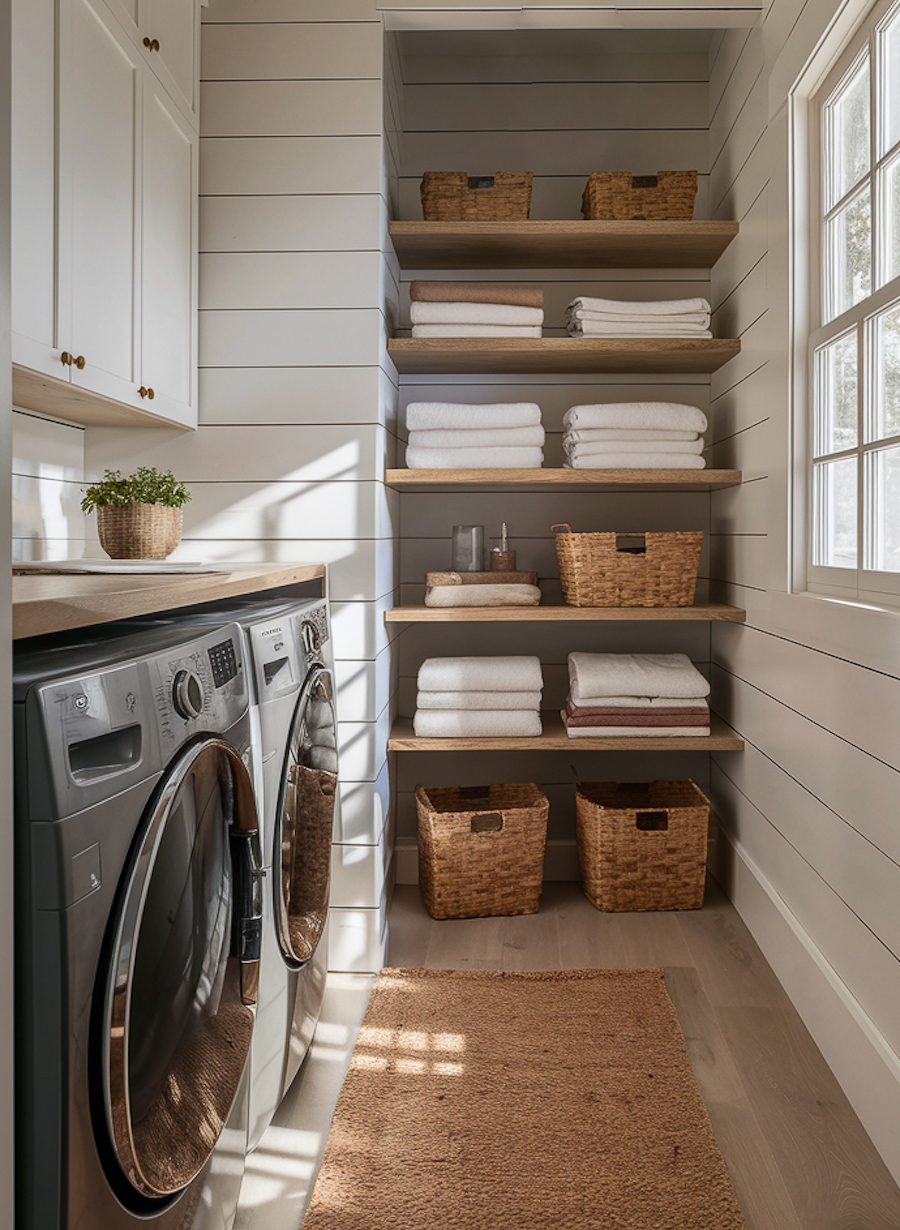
474 309
445 436
623 318
478 698
653 435
633 694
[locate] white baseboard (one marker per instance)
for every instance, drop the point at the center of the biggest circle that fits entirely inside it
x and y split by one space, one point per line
866 1067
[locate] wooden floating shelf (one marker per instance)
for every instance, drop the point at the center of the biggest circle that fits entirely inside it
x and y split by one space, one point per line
563 480
565 244
421 356
702 612
721 738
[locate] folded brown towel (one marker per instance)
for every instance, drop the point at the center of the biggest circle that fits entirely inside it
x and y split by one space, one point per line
475 292
642 719
692 711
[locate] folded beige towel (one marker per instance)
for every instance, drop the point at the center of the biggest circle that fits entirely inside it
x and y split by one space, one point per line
635 674
658 415
476 330
476 723
506 673
635 461
668 704
483 595
475 292
679 318
595 435
590 447
479 700
474 314
590 328
631 307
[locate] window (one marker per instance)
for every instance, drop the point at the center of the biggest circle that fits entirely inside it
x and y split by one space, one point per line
854 353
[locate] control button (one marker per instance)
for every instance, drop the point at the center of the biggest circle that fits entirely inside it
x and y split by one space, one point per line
309 636
223 662
80 702
187 695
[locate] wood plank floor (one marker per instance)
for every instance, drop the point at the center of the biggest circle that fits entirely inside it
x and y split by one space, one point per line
798 1156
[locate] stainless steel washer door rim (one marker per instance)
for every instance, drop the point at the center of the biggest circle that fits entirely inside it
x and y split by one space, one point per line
304 822
179 1002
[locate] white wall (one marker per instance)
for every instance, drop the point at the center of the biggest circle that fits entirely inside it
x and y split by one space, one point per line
560 104
811 852
47 488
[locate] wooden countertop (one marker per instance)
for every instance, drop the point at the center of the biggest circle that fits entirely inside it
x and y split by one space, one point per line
55 603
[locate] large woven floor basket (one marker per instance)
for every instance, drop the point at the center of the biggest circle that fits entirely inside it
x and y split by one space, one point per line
642 845
454 196
667 196
609 569
481 849
139 531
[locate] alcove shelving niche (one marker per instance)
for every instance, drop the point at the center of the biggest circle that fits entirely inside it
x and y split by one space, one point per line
561 245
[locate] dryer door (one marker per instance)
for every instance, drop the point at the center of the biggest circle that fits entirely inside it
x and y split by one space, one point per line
180 992
305 820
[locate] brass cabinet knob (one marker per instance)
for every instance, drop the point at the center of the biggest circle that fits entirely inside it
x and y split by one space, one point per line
79 362
66 359
146 393
152 44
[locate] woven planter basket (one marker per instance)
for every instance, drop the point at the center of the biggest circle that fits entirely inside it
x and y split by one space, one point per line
481 849
667 196
601 570
454 196
642 845
139 531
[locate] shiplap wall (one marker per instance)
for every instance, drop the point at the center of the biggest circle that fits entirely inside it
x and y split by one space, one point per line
297 397
561 105
810 850
47 487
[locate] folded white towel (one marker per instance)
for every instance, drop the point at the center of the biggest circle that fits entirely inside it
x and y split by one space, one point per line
480 700
476 724
493 674
656 319
474 458
592 435
476 330
474 314
634 674
629 307
631 446
635 732
659 415
483 595
639 702
635 461
470 437
450 416
591 328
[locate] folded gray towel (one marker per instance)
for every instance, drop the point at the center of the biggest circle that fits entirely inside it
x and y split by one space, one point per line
634 674
476 724
492 674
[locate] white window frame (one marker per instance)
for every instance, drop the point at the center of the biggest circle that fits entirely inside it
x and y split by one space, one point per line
859 584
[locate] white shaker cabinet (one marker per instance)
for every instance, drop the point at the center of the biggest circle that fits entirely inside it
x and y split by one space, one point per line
168 33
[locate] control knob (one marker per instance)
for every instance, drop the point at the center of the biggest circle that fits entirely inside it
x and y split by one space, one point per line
187 695
309 636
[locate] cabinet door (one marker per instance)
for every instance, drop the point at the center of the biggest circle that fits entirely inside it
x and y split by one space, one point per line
168 257
99 100
175 26
33 188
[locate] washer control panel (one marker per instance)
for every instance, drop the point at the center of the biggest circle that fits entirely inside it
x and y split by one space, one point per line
312 632
198 687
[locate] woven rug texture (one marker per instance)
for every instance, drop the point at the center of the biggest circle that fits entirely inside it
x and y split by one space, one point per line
481 1100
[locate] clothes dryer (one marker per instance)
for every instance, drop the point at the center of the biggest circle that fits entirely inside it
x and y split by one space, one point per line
138 929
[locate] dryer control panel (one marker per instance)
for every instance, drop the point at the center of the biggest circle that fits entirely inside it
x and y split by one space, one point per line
312 633
201 687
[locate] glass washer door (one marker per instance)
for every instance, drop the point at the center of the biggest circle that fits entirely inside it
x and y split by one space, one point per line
305 820
180 994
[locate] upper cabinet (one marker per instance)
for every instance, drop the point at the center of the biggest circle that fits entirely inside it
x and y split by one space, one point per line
105 183
168 33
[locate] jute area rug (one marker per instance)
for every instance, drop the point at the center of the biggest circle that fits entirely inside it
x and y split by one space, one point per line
501 1101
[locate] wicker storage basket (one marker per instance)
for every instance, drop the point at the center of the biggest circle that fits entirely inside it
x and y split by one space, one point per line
139 531
609 569
642 845
667 196
454 196
481 849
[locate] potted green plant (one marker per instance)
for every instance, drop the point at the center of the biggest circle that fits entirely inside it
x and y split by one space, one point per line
138 517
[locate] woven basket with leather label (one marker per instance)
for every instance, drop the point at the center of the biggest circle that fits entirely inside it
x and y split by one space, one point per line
454 196
609 569
667 196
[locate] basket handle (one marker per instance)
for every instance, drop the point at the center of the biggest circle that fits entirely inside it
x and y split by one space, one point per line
488 822
652 821
562 527
480 181
645 181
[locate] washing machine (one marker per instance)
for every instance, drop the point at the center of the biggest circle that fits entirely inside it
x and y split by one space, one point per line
291 668
139 916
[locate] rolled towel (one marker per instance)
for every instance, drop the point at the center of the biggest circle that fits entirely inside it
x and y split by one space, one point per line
631 307
682 318
573 449
635 674
482 595
473 437
476 330
596 435
633 732
474 458
635 461
476 724
479 700
450 416
658 415
514 673
474 314
590 328
475 292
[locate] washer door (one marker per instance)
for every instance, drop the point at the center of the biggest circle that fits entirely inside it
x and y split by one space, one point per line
181 990
305 820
